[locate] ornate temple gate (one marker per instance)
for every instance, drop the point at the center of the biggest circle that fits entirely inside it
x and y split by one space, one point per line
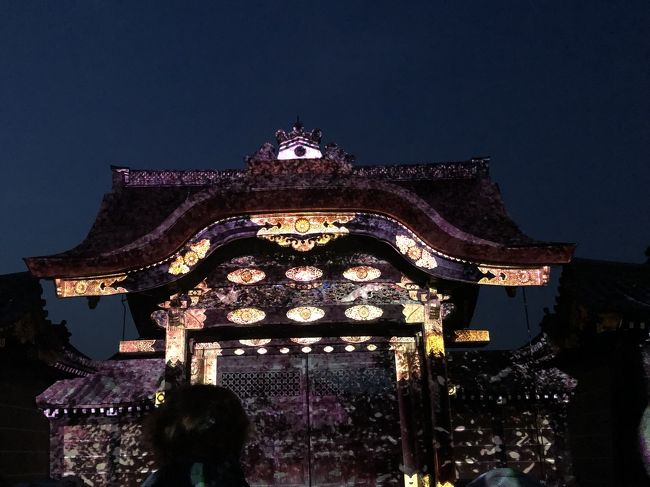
319 418
242 271
325 412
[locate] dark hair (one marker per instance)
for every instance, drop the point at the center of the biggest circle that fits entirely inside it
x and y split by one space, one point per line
198 422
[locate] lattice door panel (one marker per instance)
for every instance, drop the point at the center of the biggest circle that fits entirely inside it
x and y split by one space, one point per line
273 392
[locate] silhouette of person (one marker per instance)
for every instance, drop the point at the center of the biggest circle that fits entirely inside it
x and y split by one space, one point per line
197 437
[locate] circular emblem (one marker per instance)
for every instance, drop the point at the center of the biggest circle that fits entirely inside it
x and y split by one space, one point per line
300 151
80 287
414 253
304 273
191 258
302 225
305 313
364 312
246 275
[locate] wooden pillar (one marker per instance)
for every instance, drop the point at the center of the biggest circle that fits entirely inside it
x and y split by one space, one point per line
409 399
204 363
176 372
436 373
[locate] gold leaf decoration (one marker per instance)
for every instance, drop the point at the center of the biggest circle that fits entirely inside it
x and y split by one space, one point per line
183 262
304 273
413 313
361 273
306 341
304 231
256 342
246 276
246 316
305 314
434 344
96 286
471 336
363 312
417 253
509 276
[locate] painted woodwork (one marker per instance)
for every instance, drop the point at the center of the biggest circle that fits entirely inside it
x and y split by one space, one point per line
317 229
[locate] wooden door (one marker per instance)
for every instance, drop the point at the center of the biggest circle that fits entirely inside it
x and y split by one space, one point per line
318 419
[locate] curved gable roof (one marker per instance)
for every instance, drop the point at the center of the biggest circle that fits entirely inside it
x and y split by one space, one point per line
149 215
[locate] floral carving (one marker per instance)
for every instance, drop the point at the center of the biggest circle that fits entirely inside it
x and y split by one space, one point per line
246 316
304 273
305 314
417 253
246 276
363 312
96 286
508 276
302 232
361 273
184 262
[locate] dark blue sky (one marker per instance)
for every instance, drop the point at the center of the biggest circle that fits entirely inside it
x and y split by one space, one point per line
557 93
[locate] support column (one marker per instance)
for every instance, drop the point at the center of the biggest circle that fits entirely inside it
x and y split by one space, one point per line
176 372
409 399
204 363
436 372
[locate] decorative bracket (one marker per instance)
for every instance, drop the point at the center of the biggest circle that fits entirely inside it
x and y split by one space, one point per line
302 231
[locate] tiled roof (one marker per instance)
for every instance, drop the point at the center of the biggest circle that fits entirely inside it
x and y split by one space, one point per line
116 382
509 372
454 207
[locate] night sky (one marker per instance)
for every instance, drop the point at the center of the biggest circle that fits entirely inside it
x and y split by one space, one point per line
557 93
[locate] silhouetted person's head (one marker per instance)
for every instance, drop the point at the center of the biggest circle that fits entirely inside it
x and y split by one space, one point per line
198 423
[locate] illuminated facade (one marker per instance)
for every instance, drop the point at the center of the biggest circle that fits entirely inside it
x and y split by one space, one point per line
326 295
